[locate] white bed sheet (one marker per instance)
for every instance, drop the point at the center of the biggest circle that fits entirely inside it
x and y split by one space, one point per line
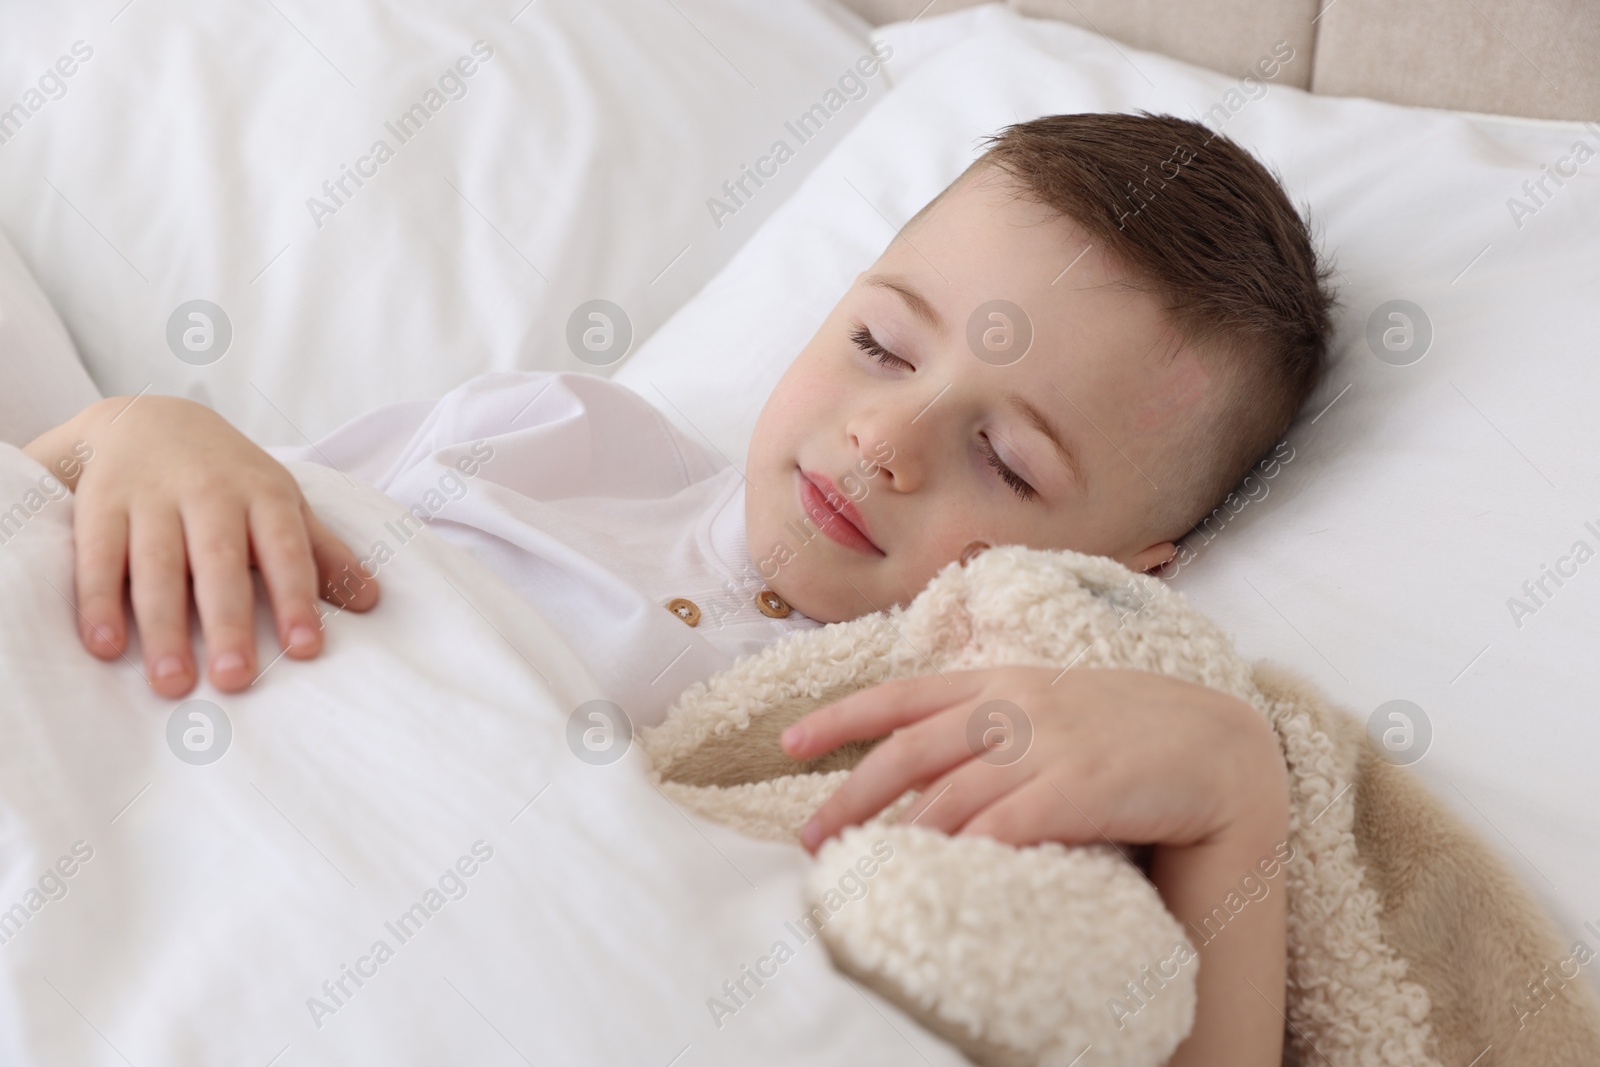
216 899
1380 559
179 159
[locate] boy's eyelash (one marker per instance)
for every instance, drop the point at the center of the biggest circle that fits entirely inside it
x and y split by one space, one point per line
867 343
1007 475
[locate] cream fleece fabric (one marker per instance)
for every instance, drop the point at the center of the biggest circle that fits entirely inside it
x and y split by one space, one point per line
1409 943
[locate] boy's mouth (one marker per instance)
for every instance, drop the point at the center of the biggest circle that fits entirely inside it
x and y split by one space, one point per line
833 513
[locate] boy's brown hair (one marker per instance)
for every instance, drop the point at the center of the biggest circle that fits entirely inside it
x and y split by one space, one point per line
1203 225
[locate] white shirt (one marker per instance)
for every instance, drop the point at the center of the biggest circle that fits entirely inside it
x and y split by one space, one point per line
590 504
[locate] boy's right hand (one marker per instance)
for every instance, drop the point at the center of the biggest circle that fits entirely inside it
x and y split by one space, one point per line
171 488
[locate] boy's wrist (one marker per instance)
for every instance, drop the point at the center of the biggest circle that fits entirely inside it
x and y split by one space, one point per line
64 448
1255 782
1252 828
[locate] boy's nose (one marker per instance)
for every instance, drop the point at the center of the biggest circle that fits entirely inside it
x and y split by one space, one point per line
899 435
892 461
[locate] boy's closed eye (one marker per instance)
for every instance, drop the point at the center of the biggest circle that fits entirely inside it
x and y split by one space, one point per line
869 344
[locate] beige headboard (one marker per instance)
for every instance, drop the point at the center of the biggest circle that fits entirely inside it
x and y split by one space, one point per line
1538 58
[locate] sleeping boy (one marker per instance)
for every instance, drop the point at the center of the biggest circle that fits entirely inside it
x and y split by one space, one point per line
1082 343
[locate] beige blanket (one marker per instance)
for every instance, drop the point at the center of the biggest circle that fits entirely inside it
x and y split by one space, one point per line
1409 941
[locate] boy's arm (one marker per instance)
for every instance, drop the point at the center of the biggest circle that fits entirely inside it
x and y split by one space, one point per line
1243 954
165 487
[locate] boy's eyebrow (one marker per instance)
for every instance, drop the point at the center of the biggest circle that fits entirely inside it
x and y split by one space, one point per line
1040 423
914 300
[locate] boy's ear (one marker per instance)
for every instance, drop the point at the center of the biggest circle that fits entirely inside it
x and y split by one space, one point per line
1149 559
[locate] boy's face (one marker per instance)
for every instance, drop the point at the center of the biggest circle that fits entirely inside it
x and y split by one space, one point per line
892 404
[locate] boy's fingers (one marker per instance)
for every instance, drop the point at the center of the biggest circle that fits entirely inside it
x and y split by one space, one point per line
874 712
917 754
1036 812
224 594
158 573
948 803
342 579
101 549
283 555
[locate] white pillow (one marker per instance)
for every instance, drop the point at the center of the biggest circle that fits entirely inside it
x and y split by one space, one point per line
1411 501
42 382
181 157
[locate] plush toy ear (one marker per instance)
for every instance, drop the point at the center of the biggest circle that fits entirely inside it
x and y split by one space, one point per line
718 753
725 732
1015 955
755 754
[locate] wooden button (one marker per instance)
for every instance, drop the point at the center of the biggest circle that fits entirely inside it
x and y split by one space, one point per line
973 551
685 610
772 605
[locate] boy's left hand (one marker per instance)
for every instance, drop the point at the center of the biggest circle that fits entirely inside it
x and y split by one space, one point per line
1114 755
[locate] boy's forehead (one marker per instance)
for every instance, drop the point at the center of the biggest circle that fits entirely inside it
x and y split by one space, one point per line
985 240
986 211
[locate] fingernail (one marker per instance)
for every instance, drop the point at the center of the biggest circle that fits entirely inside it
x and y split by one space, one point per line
228 661
105 637
302 636
169 666
793 736
811 835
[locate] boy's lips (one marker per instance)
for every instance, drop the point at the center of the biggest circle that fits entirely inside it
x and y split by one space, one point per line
834 514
